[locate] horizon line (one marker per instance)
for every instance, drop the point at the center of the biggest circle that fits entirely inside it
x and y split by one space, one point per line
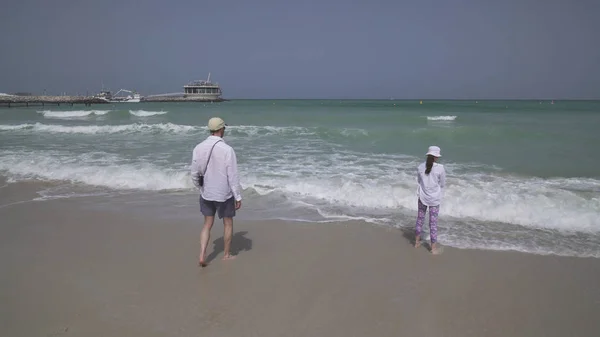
420 99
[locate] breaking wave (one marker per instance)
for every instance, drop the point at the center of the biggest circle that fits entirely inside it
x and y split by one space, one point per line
72 114
144 113
441 118
235 131
97 169
99 129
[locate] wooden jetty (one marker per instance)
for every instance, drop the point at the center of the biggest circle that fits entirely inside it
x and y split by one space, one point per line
16 101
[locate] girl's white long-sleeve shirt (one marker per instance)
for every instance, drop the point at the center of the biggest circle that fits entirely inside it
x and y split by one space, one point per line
431 186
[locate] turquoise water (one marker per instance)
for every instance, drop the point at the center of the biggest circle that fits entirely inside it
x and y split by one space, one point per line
522 175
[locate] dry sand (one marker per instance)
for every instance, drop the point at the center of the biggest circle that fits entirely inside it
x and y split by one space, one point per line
67 270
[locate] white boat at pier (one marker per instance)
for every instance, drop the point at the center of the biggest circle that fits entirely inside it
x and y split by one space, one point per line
107 96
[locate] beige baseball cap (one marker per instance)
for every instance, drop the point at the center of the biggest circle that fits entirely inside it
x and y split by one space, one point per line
216 123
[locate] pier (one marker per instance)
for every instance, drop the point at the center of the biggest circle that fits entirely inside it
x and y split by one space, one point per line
20 101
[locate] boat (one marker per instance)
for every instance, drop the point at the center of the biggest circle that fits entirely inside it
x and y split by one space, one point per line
134 97
107 96
104 95
202 90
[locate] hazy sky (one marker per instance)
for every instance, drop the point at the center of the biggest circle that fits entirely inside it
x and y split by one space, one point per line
305 49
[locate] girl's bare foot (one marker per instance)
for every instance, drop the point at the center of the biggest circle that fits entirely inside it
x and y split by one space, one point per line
228 257
435 249
417 242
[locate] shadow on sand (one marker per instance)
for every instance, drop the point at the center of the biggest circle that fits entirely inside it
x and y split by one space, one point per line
409 234
239 243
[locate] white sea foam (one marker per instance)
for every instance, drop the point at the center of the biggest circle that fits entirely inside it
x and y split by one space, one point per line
44 197
235 131
15 127
72 114
93 169
348 186
144 113
100 129
441 118
539 209
390 185
345 181
295 131
255 130
580 249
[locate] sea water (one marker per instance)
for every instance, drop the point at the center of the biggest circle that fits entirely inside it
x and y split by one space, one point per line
521 175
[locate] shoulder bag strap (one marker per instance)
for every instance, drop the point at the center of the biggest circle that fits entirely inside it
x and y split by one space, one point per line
209 155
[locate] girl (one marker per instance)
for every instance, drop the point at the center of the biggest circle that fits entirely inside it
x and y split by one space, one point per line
432 180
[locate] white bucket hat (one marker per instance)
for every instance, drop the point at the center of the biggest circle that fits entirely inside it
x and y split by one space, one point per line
434 151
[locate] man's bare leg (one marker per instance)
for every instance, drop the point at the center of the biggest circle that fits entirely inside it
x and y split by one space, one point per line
227 236
204 237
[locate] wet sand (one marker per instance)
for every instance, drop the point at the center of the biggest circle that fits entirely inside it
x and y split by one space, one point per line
71 270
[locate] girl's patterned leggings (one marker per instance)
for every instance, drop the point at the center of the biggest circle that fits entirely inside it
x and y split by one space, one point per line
433 217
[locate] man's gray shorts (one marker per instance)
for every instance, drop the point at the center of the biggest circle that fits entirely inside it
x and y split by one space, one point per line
225 209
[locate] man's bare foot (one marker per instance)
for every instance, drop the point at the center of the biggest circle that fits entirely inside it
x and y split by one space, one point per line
228 257
202 263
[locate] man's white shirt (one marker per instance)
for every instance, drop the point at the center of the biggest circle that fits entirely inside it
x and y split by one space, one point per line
221 179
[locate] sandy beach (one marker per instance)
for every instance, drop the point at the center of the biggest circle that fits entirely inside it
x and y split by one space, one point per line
337 122
72 270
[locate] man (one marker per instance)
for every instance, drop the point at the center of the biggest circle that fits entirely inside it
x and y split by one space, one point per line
221 190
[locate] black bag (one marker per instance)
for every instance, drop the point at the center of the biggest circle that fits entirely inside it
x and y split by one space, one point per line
200 175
